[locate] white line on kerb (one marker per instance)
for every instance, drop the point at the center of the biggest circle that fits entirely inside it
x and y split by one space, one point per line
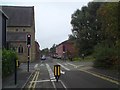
64 67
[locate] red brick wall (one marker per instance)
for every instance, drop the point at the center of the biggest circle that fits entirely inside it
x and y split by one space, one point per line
68 47
59 50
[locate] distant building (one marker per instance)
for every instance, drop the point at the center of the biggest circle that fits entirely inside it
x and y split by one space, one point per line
37 51
20 23
66 49
3 24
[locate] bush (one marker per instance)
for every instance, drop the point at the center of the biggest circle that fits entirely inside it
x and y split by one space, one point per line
106 57
8 58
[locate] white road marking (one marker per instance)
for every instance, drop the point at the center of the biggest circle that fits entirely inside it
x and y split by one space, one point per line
66 64
51 75
62 72
41 64
41 81
75 66
36 65
64 67
63 84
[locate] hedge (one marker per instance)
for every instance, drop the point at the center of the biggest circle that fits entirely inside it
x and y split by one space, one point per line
8 58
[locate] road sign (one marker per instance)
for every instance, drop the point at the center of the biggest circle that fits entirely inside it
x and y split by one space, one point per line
57 72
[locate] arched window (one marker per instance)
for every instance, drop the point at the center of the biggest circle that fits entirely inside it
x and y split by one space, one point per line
20 49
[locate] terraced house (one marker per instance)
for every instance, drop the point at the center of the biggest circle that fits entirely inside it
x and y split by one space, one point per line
20 23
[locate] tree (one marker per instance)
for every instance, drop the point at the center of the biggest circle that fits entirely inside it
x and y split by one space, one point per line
86 25
45 51
53 49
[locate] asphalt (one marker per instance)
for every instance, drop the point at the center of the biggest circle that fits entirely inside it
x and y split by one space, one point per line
75 76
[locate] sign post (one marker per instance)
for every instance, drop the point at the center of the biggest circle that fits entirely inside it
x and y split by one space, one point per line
57 72
28 46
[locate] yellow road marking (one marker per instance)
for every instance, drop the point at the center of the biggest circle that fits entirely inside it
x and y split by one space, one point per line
58 70
105 78
32 84
32 80
35 80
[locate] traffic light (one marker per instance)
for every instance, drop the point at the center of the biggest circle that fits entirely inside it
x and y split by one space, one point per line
28 40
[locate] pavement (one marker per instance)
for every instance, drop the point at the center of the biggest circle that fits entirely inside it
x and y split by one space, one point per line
73 75
22 77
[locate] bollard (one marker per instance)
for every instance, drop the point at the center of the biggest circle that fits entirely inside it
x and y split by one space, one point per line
57 72
15 70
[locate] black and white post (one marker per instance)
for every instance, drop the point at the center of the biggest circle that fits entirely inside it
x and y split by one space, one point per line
28 46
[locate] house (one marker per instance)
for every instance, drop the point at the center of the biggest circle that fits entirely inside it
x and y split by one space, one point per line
66 49
37 51
3 23
20 23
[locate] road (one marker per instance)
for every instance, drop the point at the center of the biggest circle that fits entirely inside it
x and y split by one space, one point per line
73 75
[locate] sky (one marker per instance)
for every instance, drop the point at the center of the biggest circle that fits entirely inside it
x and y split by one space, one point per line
52 18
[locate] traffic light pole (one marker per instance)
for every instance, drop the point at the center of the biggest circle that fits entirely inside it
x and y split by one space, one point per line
28 46
28 58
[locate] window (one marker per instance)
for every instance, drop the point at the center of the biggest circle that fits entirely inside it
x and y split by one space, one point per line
20 49
23 29
16 29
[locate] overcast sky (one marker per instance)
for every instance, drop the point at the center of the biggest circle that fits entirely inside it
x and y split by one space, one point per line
52 19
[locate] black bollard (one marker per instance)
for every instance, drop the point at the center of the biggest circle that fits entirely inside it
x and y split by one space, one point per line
15 72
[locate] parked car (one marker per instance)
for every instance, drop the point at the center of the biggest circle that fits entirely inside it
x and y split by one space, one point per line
43 57
59 57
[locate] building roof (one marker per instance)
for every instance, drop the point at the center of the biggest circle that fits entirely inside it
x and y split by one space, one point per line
19 15
65 42
3 14
16 36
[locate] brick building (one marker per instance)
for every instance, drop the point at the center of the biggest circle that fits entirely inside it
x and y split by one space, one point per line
37 51
20 23
66 49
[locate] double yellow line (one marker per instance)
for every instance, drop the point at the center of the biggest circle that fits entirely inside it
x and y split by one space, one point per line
35 78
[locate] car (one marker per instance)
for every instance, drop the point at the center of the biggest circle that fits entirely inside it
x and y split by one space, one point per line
43 57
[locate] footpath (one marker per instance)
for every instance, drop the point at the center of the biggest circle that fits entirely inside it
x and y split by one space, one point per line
22 76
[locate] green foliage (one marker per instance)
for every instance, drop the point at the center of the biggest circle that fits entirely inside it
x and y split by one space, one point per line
98 23
86 59
45 51
53 49
8 58
106 57
86 26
